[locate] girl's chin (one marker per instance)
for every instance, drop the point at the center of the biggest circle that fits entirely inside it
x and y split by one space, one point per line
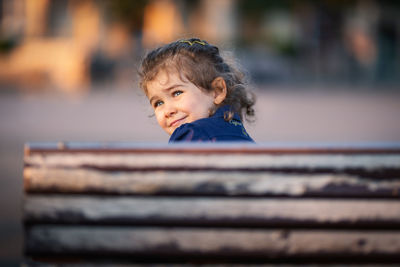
170 131
176 127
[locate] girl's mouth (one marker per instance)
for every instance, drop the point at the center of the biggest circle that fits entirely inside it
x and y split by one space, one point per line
177 122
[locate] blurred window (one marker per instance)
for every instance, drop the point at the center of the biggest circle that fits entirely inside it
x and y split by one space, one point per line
59 19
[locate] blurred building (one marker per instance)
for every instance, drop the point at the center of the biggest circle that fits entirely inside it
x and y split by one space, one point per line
54 43
70 45
330 42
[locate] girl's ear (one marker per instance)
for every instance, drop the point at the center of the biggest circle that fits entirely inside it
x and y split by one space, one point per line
220 90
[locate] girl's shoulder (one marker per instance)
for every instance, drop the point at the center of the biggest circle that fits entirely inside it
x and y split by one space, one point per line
190 132
211 129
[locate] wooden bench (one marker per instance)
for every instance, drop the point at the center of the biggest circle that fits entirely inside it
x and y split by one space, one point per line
205 203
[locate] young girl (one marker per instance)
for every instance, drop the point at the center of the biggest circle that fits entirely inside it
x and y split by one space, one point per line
195 94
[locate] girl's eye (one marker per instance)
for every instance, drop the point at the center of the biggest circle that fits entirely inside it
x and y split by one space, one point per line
158 103
176 93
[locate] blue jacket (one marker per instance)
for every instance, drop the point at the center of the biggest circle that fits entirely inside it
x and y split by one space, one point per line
213 129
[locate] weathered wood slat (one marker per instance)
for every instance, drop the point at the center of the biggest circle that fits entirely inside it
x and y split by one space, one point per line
215 161
225 242
212 211
208 183
216 148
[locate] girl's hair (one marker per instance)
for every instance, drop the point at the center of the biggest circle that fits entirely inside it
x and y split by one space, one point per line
200 63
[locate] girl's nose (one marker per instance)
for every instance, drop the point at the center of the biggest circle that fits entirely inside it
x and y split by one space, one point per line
169 110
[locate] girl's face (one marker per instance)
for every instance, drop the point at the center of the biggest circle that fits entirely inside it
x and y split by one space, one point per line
176 102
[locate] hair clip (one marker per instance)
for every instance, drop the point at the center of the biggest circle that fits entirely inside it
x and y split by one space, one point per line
192 43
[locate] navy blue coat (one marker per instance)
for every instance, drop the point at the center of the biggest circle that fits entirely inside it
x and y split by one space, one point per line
213 129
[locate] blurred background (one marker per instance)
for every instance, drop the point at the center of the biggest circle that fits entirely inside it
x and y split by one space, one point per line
323 71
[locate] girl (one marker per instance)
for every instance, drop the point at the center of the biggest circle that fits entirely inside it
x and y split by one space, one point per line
195 94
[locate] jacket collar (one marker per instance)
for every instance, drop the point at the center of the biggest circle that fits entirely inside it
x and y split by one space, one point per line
221 111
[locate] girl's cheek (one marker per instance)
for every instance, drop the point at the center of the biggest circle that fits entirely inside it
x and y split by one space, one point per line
159 118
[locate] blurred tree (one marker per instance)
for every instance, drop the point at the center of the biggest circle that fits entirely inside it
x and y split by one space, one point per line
6 45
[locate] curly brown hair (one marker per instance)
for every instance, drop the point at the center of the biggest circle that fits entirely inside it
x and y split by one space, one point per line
200 63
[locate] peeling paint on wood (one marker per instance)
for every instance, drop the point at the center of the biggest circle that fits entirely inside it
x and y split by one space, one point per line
213 161
211 211
269 243
206 182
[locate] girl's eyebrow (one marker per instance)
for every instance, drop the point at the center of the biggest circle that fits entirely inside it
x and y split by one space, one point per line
172 87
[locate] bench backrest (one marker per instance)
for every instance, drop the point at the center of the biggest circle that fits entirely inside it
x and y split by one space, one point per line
211 203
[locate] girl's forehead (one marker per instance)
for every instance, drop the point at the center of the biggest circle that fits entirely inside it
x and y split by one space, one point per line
166 77
163 76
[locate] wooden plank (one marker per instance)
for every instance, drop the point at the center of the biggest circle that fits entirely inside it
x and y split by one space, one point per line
206 183
217 148
134 161
212 211
207 242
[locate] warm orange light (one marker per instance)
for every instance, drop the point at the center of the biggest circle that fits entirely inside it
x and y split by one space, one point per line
162 23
